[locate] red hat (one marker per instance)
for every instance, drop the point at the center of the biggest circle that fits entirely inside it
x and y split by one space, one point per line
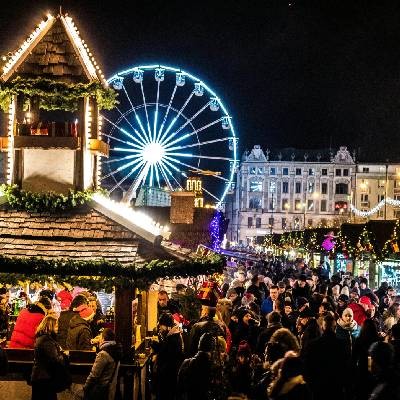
365 300
85 311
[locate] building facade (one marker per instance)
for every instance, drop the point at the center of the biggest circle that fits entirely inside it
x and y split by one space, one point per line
292 190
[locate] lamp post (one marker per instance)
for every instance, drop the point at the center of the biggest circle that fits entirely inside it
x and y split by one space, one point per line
386 185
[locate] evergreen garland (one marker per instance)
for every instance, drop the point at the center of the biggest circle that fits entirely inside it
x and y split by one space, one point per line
102 274
57 95
19 199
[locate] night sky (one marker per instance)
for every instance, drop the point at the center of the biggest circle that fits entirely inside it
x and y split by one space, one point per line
307 74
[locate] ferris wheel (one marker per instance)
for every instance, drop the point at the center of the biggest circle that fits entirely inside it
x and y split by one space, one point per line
168 126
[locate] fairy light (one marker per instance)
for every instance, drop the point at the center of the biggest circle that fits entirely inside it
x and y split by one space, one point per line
82 48
10 150
31 39
131 216
374 210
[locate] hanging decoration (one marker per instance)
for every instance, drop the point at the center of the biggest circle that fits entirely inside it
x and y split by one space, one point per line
374 210
102 274
57 95
19 199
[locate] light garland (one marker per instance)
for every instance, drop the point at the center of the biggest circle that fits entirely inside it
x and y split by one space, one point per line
10 149
89 61
372 211
12 62
130 215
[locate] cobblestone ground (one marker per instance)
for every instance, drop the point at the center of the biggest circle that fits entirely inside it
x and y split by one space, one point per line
13 390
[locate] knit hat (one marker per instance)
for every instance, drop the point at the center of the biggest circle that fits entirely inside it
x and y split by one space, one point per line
244 348
365 300
343 298
85 312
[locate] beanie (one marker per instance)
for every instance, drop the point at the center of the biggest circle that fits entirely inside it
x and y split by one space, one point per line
244 348
85 311
365 300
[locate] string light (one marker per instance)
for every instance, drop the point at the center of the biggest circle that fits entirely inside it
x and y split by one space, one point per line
372 211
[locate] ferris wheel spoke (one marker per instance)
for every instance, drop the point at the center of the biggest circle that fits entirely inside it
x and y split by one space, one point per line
125 150
145 109
118 184
163 164
166 113
122 167
210 194
122 159
165 177
144 139
198 144
126 132
198 156
199 170
202 128
122 141
190 120
157 176
177 116
156 113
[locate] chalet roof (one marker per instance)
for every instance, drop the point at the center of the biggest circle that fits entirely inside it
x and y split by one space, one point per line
82 234
54 50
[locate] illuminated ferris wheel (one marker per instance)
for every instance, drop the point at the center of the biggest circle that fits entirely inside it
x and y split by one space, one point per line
168 126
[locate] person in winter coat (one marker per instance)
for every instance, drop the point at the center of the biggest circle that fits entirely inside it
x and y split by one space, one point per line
368 335
4 311
391 316
241 375
48 357
290 384
324 358
23 336
347 330
102 381
281 342
360 309
79 334
195 376
66 316
274 323
381 366
169 357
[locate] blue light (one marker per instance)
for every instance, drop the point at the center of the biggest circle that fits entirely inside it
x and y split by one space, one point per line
159 74
180 79
137 75
118 83
198 89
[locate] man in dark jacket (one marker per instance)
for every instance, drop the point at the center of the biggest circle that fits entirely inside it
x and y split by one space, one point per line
325 357
195 376
205 324
274 323
66 316
79 333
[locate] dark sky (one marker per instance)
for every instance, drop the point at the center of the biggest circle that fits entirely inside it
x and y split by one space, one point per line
308 74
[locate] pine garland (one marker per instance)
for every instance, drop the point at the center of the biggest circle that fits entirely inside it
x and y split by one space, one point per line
57 95
19 199
102 274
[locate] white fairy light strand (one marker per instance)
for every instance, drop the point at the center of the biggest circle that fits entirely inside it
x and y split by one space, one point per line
374 210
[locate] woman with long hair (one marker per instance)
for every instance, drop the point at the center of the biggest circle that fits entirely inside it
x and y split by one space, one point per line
391 316
49 362
281 342
347 330
289 384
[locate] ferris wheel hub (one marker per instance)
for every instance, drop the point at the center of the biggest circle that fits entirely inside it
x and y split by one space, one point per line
153 153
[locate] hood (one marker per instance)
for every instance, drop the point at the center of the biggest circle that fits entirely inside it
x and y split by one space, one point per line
113 349
76 321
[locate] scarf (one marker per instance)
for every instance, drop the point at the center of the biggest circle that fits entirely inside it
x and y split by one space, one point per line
348 327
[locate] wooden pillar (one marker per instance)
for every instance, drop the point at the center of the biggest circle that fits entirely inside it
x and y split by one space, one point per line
79 154
123 332
123 318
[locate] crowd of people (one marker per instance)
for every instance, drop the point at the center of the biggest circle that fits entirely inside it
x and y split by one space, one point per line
279 330
53 333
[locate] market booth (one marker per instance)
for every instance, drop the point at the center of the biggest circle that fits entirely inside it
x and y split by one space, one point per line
55 226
